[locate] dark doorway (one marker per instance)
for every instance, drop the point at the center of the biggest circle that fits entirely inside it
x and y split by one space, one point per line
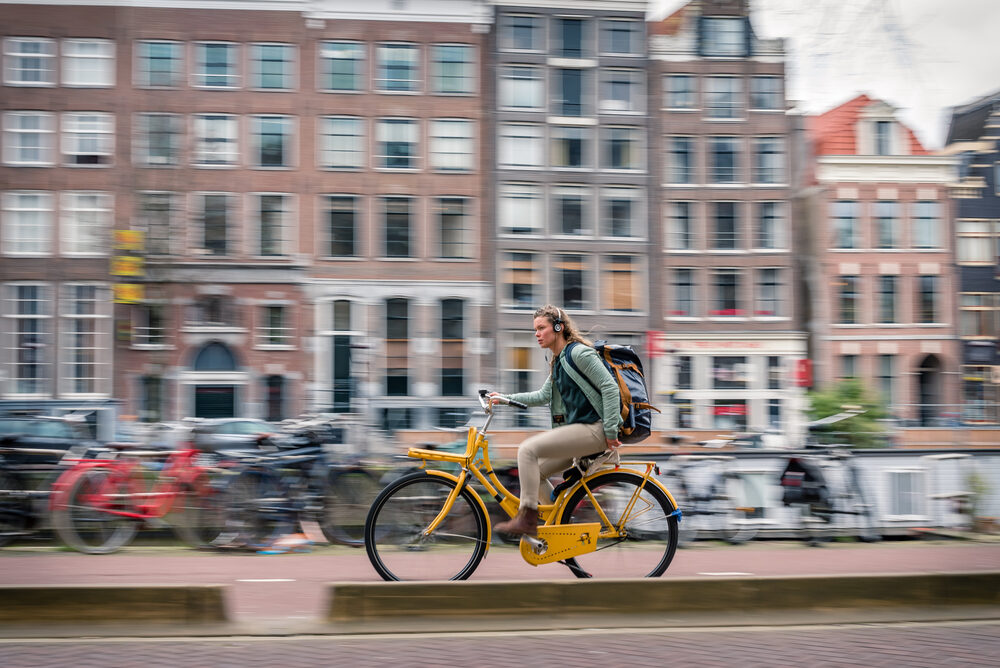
214 401
929 390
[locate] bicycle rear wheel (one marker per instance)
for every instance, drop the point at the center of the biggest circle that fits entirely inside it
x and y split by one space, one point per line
258 510
348 497
201 517
649 538
394 531
15 509
88 522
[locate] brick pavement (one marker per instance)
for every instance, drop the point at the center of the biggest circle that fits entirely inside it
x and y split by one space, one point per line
911 644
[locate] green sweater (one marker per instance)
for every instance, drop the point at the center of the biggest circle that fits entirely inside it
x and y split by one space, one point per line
607 403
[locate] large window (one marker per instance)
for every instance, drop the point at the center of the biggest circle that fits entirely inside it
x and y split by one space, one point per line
848 299
454 228
522 33
724 153
158 139
29 61
159 64
845 225
771 225
397 227
452 347
522 87
86 332
770 301
730 373
573 281
887 298
86 223
27 223
620 283
979 314
571 147
572 211
341 217
622 91
723 97
341 66
273 326
213 216
216 65
215 140
521 281
273 222
724 36
272 66
886 374
272 141
726 293
680 91
520 209
621 148
451 145
569 91
397 340
680 225
88 63
521 145
621 37
453 69
976 243
28 138
149 325
397 143
88 139
156 216
27 312
927 299
768 160
684 303
766 94
926 224
342 142
680 160
887 224
571 37
726 228
398 68
621 212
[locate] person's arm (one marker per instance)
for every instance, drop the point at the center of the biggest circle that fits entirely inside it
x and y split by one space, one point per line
591 366
540 397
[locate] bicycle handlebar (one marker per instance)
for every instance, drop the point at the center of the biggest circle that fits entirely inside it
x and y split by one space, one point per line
485 401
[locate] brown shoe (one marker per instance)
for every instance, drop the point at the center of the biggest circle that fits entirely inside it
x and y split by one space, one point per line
525 522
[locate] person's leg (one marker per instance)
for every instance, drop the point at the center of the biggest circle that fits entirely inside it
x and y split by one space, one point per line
553 451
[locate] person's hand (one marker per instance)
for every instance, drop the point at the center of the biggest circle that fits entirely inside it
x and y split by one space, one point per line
613 443
493 398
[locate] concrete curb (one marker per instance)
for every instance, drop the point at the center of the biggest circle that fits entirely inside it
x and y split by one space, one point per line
372 602
85 604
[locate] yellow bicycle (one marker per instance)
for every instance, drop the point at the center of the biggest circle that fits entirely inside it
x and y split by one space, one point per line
616 520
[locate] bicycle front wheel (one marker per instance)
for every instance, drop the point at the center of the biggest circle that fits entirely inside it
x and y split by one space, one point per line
644 516
347 498
395 531
202 516
89 521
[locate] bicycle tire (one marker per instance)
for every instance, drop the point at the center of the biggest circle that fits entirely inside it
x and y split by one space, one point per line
346 500
651 539
730 523
394 539
86 521
257 510
15 509
201 515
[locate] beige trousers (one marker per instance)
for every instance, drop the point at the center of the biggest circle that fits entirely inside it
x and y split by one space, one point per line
550 452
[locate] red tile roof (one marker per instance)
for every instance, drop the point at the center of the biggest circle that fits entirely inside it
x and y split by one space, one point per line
834 132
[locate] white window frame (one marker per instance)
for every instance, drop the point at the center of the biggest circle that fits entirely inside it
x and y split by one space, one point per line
264 331
13 62
675 238
286 224
85 223
197 211
288 78
333 142
780 231
173 240
452 144
14 133
100 330
634 142
75 57
637 210
635 36
731 107
779 299
582 193
326 50
521 146
588 282
510 269
412 84
461 237
410 127
326 238
216 151
520 209
539 32
610 79
142 72
141 147
513 88
608 293
200 77
42 345
15 225
95 127
467 74
670 95
288 134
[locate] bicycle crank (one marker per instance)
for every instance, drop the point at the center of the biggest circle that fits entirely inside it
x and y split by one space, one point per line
556 542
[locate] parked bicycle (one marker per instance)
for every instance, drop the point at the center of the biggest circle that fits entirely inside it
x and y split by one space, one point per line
706 488
614 521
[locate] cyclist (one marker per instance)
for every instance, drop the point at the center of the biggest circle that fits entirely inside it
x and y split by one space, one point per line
584 421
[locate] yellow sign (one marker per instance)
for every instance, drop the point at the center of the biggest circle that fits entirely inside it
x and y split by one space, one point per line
129 240
128 293
127 265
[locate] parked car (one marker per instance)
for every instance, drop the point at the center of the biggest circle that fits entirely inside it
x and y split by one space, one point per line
24 433
233 433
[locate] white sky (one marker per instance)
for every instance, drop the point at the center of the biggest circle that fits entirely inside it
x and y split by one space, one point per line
922 56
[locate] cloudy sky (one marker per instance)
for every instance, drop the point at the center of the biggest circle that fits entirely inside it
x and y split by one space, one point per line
922 56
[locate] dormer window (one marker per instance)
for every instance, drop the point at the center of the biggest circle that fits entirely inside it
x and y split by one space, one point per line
883 137
724 36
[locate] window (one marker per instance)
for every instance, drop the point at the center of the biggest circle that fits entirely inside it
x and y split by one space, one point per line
978 315
341 214
521 145
342 142
887 296
88 139
730 373
571 147
725 159
845 224
684 372
159 64
883 137
975 242
729 414
765 93
342 380
621 148
680 155
620 212
149 325
573 282
927 299
86 333
521 281
29 61
274 398
398 226
680 91
158 139
520 209
848 299
397 354
571 35
271 141
774 373
216 65
680 225
155 216
886 373
726 226
683 290
27 223
770 293
398 68
215 140
397 143
621 37
620 283
85 226
771 226
887 224
568 90
452 347
272 217
768 160
522 87
451 145
341 66
273 66
622 91
28 321
848 366
906 493
723 97
572 211
926 224
88 63
521 33
213 213
724 36
453 69
726 293
28 138
454 228
272 326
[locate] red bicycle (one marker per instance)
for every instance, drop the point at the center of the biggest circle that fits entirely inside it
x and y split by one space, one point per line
98 505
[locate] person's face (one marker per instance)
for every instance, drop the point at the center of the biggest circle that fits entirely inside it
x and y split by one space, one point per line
544 334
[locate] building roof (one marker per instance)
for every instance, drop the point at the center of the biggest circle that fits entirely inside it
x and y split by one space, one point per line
835 133
968 121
